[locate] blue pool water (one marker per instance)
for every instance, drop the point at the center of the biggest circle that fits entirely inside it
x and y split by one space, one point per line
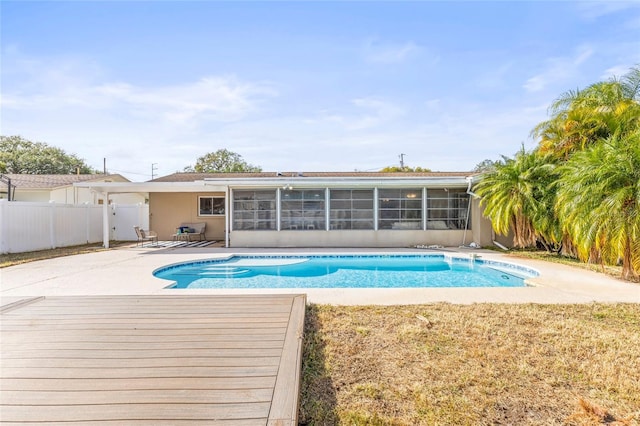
345 271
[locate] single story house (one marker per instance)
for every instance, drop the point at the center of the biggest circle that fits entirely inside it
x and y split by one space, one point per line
61 189
316 209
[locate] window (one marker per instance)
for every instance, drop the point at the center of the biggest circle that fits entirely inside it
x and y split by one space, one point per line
351 209
447 209
302 209
400 208
254 210
210 206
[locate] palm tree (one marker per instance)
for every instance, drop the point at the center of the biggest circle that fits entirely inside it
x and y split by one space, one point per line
599 201
580 118
516 197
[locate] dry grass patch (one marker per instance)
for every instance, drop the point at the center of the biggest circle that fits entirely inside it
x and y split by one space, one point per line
483 364
11 259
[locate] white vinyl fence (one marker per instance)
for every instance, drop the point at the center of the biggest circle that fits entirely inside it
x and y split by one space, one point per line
29 226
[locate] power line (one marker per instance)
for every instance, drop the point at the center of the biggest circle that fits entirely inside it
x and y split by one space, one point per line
129 173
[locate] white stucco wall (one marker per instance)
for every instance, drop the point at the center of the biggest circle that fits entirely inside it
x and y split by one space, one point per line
355 238
31 195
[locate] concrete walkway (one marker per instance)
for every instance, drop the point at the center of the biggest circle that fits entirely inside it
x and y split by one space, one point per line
128 271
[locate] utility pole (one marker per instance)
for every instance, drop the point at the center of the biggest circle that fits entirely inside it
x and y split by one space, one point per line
154 167
401 156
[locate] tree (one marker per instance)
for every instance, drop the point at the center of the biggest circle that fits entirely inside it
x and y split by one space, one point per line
580 118
405 169
18 155
222 161
516 196
485 166
599 200
580 188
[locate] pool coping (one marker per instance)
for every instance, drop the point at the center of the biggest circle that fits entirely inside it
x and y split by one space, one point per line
509 268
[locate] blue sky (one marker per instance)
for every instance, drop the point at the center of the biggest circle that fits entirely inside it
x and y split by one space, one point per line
300 86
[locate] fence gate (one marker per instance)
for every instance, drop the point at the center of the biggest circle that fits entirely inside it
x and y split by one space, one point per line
124 217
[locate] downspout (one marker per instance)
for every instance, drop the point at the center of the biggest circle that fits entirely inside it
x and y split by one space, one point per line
497 244
7 180
466 222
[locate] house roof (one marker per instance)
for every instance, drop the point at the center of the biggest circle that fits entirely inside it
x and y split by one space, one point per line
49 182
220 182
192 177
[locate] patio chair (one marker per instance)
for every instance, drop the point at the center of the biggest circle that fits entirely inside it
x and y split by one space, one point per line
145 236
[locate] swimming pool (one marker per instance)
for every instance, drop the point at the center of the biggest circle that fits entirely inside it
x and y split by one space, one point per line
345 271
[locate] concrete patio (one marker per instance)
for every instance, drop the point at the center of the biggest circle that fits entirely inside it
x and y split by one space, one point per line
128 271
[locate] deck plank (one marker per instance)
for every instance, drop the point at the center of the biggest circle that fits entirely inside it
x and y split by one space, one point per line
228 360
284 411
190 396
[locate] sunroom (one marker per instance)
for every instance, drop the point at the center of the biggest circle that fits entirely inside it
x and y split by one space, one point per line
320 209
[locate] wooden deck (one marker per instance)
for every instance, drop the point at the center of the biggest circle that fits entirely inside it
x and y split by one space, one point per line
152 360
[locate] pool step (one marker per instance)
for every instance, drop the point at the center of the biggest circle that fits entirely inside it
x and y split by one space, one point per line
230 271
213 271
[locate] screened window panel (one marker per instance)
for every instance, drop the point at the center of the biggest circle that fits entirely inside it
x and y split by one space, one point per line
447 209
254 210
351 209
362 215
400 208
340 204
362 194
302 209
363 204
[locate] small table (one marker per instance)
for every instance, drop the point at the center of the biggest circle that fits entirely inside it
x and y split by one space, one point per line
182 236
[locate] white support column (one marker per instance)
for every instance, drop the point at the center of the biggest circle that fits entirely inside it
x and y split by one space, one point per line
376 204
278 199
227 217
424 209
105 220
327 210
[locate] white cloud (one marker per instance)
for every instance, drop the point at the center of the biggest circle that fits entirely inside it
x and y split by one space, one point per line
559 69
71 83
378 112
592 10
615 71
217 98
494 78
388 53
368 113
433 104
76 105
